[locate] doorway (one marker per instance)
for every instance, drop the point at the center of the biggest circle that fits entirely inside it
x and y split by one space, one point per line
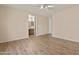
31 25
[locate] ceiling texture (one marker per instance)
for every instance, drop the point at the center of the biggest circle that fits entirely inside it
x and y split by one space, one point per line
35 8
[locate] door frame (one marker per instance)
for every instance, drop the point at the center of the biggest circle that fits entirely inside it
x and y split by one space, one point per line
35 30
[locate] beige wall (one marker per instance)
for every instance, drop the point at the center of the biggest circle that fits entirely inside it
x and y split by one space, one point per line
42 25
50 24
13 24
66 24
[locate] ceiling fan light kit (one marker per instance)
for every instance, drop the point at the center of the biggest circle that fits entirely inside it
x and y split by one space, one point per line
41 7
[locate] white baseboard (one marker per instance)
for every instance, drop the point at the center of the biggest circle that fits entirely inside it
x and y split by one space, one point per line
41 34
65 38
8 40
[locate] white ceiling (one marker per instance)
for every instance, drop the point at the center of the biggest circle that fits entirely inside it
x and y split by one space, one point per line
35 8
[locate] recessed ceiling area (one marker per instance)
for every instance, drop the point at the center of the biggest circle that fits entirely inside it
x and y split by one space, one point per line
35 8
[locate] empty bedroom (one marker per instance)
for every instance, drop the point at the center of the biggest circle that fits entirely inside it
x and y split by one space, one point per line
39 29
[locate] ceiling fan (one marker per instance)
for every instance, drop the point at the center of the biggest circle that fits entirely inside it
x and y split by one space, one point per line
45 6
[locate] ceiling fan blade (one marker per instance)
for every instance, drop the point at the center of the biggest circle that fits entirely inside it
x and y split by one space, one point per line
50 6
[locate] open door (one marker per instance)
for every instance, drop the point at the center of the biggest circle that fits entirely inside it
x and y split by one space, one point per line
31 26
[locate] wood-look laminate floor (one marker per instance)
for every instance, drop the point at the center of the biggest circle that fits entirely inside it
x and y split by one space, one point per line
42 45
